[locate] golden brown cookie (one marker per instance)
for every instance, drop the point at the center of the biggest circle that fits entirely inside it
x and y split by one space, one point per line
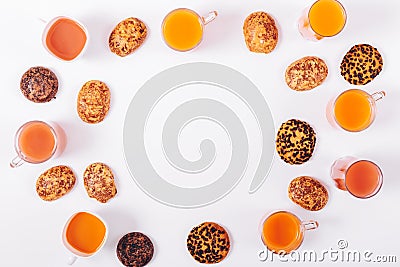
127 36
260 32
295 141
55 183
306 73
93 101
99 182
361 64
308 193
208 243
39 84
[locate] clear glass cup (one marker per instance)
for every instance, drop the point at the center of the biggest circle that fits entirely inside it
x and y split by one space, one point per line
183 29
283 232
37 141
353 110
324 18
361 178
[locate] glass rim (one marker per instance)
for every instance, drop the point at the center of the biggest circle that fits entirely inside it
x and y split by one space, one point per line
343 11
19 150
378 187
372 107
201 22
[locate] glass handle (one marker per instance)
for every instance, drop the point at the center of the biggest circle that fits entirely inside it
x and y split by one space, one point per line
210 17
310 225
378 95
16 162
71 259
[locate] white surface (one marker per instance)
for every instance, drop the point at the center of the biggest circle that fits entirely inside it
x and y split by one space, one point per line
30 229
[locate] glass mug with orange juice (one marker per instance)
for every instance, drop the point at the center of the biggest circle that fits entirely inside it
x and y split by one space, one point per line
182 28
361 178
354 110
65 38
283 232
36 142
84 234
325 18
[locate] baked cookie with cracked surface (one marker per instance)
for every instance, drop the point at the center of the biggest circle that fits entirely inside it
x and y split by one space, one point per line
361 64
208 243
306 73
295 141
39 84
93 101
127 36
135 250
308 193
55 183
99 182
260 32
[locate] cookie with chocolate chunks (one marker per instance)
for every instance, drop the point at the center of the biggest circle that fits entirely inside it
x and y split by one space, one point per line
99 182
208 243
135 250
361 64
39 84
295 141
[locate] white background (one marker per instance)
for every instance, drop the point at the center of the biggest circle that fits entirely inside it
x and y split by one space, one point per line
30 229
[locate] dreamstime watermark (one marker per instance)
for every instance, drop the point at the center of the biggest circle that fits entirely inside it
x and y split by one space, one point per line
341 253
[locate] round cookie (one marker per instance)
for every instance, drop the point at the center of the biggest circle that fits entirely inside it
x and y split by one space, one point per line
306 73
39 84
135 250
93 101
99 182
361 64
308 193
208 243
260 32
295 141
55 183
127 36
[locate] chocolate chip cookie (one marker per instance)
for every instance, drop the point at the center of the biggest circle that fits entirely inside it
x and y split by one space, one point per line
361 64
295 141
208 243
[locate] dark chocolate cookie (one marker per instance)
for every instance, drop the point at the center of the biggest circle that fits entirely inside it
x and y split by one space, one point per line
39 84
135 249
208 243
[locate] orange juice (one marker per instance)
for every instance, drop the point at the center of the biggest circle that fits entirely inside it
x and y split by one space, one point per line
37 141
353 110
363 179
85 232
327 17
65 38
281 232
182 29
